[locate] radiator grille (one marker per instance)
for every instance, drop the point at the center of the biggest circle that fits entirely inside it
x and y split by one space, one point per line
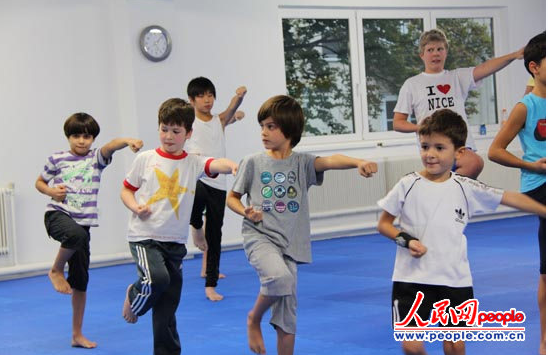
6 221
344 190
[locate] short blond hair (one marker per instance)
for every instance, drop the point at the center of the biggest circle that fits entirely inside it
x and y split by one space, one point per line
433 35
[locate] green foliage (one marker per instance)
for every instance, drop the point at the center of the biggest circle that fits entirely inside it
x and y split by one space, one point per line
318 72
391 56
470 43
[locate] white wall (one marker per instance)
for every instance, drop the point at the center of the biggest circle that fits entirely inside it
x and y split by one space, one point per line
64 56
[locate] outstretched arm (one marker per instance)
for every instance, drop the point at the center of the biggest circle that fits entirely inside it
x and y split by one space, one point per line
386 228
498 152
223 166
492 66
229 116
119 143
401 124
341 162
523 202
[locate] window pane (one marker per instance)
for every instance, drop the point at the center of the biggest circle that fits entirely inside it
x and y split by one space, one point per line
317 70
391 56
471 43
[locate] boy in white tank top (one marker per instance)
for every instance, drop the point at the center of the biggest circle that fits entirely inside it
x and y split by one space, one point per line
208 139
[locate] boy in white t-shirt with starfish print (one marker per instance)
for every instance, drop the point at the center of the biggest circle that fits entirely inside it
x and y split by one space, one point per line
159 191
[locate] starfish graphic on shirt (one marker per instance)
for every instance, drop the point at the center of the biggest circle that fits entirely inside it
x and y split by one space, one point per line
169 188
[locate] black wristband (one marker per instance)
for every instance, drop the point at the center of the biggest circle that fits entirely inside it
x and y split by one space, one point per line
403 239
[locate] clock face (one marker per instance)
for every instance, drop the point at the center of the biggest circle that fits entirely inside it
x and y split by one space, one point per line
155 43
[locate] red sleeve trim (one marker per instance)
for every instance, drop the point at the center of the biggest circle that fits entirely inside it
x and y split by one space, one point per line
207 171
129 186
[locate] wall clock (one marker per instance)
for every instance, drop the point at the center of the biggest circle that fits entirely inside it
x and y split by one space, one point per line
155 43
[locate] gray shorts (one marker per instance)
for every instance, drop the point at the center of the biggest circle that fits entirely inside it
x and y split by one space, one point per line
278 277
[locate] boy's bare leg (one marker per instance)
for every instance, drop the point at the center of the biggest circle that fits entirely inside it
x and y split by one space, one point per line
78 307
450 348
212 294
413 348
286 342
542 309
204 265
127 313
57 272
254 317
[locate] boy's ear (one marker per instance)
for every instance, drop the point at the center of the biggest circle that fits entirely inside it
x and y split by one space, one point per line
459 152
533 67
191 100
189 134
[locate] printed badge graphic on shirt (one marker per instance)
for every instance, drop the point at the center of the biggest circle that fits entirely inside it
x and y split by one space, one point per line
435 103
279 178
279 191
291 192
266 191
291 177
280 206
266 177
267 206
293 206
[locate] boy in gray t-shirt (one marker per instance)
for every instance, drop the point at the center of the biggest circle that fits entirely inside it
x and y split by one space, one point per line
276 227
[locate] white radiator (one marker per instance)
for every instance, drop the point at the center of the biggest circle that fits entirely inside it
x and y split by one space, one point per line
346 189
7 226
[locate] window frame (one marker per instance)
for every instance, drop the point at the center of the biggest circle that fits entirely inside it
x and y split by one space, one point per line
500 98
355 16
381 14
333 14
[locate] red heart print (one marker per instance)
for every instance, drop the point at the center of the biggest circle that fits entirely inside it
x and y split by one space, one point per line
444 88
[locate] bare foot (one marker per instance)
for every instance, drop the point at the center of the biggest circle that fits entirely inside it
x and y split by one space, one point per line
127 313
255 336
212 295
80 341
59 282
222 276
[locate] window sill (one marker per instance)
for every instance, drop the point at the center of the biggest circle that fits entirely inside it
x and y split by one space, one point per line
355 145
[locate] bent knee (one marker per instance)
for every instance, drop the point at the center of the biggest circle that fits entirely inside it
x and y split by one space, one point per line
413 348
280 284
159 281
78 239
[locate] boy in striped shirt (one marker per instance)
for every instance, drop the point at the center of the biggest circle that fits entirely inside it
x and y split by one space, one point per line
72 179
